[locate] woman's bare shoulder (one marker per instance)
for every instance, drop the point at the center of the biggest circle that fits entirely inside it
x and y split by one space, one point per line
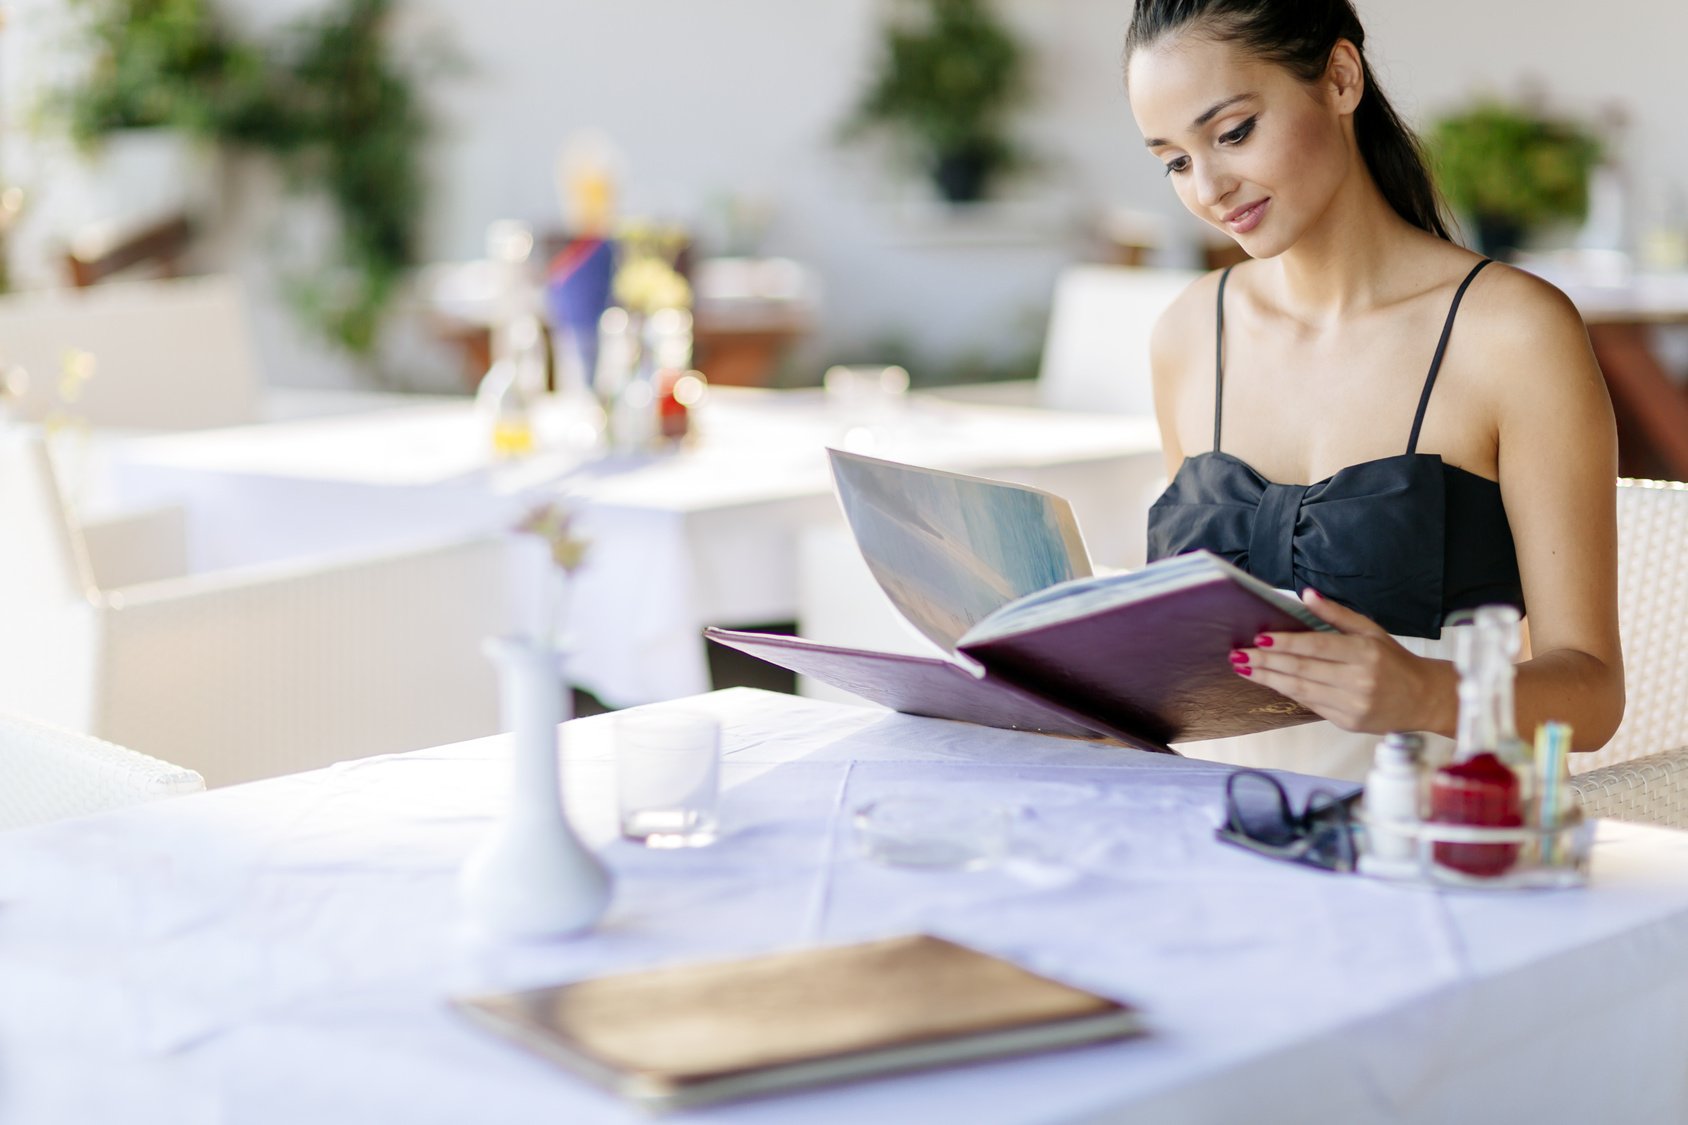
1526 345
1513 314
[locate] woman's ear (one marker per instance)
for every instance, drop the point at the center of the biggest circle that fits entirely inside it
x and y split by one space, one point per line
1345 77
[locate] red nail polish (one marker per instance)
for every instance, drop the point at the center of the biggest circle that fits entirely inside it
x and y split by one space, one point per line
1243 670
1263 641
1238 656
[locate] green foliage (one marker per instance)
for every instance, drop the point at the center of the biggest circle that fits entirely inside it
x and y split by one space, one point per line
946 84
328 101
1494 161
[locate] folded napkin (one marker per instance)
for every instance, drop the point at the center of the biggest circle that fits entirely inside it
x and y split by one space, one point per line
577 291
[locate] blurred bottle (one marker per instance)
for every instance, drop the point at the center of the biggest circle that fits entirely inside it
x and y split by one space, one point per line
572 419
1665 245
622 382
669 332
509 395
509 392
1607 225
509 247
1483 786
1394 792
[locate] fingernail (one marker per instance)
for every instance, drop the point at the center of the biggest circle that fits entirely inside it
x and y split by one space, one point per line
1242 670
1263 641
1238 656
1309 592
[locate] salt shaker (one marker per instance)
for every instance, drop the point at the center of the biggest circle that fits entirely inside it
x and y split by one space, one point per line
1394 790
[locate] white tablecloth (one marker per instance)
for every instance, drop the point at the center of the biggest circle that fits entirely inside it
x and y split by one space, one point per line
281 952
707 536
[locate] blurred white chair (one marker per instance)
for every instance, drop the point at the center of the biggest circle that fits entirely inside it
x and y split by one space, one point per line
168 355
50 773
248 673
1642 773
1096 353
1096 350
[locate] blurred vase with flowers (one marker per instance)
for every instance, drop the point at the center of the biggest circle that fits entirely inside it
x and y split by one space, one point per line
644 374
533 878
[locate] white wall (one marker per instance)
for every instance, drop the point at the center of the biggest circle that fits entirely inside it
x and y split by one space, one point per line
741 97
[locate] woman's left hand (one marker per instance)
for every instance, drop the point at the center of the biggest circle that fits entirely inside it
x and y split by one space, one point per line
1361 679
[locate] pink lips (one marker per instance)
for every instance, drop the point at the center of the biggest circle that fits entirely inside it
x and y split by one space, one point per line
1245 219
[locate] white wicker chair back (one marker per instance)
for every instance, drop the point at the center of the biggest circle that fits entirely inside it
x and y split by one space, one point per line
52 773
1642 774
1653 617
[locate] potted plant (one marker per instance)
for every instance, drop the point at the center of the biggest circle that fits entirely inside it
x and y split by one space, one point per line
949 75
328 102
142 114
1512 170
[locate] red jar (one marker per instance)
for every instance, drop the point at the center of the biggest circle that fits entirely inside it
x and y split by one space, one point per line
1479 791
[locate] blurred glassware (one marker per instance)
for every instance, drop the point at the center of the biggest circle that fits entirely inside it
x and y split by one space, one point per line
932 833
670 343
571 419
866 402
509 396
622 382
1664 246
668 767
509 393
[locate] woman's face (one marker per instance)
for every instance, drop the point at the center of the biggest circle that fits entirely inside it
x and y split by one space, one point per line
1249 147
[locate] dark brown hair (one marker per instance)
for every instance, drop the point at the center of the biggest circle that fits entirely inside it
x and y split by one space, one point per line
1299 35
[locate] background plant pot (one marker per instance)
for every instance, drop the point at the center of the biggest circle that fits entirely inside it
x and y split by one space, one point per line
135 176
963 175
132 179
1498 235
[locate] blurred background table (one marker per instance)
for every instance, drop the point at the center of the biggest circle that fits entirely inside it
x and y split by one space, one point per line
707 535
1623 309
283 951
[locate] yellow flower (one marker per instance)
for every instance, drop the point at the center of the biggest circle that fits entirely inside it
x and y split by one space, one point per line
645 284
553 522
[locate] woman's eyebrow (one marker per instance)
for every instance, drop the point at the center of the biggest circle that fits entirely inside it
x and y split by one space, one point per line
1204 117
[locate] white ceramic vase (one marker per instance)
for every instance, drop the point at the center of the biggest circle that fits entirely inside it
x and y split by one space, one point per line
533 878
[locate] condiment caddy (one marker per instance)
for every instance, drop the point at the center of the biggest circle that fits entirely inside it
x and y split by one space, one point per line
1497 816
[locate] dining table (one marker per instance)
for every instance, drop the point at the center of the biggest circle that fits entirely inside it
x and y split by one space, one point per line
704 532
289 950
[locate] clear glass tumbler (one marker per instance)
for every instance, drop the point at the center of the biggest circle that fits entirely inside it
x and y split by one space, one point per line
668 777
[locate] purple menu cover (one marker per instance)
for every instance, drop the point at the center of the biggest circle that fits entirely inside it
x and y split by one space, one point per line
1157 666
924 685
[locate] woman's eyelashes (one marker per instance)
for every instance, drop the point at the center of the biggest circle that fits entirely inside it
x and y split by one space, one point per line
1240 134
1230 138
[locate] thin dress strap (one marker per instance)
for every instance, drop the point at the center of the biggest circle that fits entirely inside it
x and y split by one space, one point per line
1219 358
1441 347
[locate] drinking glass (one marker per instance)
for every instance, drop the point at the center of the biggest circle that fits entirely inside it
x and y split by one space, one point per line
668 777
865 398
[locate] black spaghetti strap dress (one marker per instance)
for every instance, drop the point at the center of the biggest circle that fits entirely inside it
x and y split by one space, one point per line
1407 540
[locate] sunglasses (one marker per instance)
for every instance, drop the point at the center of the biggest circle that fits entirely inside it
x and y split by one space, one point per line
1260 817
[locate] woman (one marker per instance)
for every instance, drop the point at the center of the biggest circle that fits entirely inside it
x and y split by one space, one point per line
1364 411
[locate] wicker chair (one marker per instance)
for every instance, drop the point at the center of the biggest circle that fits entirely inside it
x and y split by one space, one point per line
53 773
248 672
1642 774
